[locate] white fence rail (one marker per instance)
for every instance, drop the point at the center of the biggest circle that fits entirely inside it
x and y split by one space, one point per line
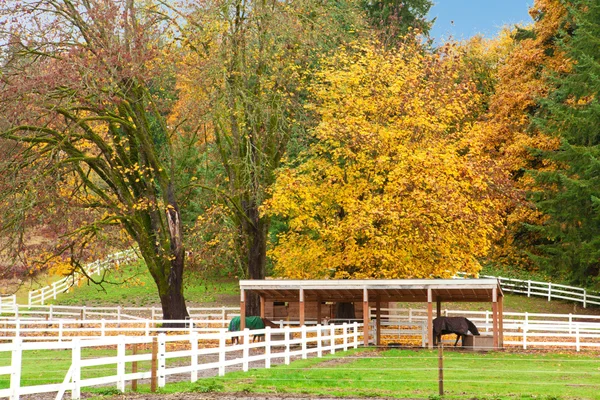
547 290
39 296
174 355
525 330
53 312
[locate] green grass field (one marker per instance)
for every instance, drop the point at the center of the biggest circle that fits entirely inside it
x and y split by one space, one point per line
133 286
397 373
414 374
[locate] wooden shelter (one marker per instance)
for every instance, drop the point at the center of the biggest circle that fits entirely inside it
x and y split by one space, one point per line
378 291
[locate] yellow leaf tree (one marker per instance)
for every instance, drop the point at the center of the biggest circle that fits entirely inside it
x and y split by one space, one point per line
390 188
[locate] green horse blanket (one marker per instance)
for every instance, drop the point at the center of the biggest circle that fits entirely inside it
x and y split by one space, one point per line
251 323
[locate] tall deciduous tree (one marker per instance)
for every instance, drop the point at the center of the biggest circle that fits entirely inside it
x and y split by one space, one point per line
570 194
250 62
390 188
505 132
82 103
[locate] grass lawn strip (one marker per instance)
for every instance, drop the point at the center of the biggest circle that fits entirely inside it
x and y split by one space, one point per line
414 373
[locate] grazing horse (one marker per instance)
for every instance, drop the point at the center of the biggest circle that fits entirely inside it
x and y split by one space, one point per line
458 325
252 323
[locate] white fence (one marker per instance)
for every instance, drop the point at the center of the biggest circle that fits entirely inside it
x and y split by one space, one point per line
39 296
8 301
171 355
53 312
526 330
548 290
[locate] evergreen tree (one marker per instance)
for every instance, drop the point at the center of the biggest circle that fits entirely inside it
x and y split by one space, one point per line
569 195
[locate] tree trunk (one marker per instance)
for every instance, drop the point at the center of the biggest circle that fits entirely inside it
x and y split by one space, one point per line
256 249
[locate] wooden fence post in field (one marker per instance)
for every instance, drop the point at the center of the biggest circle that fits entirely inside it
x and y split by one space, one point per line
441 368
154 365
134 368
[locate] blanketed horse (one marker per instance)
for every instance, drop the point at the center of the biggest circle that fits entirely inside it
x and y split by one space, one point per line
458 325
252 323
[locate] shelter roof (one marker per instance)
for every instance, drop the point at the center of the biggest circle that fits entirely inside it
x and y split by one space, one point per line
404 290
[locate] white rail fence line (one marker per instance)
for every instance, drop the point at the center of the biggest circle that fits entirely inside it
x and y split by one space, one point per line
520 329
39 296
282 344
8 301
52 312
548 290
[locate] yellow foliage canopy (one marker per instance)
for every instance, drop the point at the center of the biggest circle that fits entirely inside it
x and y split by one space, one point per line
389 189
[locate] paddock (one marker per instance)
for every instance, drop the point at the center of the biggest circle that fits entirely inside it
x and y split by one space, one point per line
376 292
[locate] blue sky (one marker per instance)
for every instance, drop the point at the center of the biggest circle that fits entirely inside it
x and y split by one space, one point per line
465 18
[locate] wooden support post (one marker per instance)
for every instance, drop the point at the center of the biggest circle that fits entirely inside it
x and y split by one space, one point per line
242 314
495 317
262 306
366 319
438 307
301 307
154 365
378 322
441 368
501 320
134 368
318 311
429 318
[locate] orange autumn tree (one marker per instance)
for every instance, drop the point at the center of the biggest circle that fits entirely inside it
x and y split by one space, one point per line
388 189
505 132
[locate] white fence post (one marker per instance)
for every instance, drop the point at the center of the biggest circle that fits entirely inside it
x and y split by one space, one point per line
345 335
194 360
570 323
332 337
268 347
549 291
487 321
102 328
162 360
304 353
319 341
76 365
222 344
584 298
577 339
525 328
286 333
245 349
15 374
121 364
355 335
528 288
51 312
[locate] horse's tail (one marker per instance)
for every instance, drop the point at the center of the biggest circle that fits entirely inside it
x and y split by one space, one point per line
472 328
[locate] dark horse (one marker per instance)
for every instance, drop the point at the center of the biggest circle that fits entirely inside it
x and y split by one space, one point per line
459 325
251 323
